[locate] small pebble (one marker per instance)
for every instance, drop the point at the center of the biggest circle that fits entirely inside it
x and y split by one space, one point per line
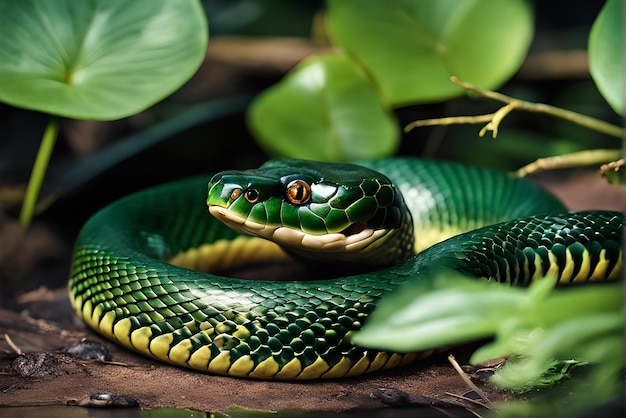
108 400
90 350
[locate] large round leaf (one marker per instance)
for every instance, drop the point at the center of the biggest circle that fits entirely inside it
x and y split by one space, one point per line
325 109
97 59
606 54
412 47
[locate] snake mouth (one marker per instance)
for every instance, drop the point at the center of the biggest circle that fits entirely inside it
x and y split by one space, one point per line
241 224
333 246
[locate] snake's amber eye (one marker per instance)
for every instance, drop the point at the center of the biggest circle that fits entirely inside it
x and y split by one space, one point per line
298 192
251 195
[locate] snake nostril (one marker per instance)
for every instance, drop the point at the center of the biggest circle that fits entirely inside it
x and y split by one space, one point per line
235 193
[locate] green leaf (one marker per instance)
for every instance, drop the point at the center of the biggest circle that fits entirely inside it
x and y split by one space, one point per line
412 47
606 54
533 326
444 308
97 59
451 310
325 109
590 338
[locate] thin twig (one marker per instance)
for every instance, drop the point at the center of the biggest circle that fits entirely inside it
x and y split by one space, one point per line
577 118
8 389
474 413
469 383
498 117
494 119
611 171
470 400
452 120
117 363
114 363
12 345
574 159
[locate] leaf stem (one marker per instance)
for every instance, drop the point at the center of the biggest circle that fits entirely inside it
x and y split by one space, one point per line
39 171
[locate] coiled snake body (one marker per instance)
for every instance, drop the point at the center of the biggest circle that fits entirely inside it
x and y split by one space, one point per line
135 278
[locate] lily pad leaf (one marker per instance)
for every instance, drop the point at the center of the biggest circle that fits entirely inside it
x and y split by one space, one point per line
325 109
412 47
606 54
97 59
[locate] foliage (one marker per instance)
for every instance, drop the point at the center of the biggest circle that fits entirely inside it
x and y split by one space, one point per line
94 60
606 54
408 50
411 48
540 329
343 114
98 60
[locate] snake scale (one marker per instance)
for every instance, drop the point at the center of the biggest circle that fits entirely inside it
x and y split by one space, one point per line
150 271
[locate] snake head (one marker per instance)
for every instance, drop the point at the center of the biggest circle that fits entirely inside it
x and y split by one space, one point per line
331 212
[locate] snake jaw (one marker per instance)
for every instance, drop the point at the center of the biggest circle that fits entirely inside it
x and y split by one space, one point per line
331 247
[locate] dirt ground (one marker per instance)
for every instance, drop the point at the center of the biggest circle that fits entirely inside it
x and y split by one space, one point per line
59 379
42 322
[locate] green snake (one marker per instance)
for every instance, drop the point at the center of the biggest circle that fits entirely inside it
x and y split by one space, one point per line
151 271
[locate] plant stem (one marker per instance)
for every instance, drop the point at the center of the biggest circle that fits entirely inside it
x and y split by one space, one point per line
39 171
574 159
577 118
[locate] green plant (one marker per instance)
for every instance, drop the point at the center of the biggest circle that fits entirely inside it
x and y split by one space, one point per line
606 46
546 333
94 59
395 54
343 114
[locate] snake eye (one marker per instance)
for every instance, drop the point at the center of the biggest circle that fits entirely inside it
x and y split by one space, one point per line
251 195
298 192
